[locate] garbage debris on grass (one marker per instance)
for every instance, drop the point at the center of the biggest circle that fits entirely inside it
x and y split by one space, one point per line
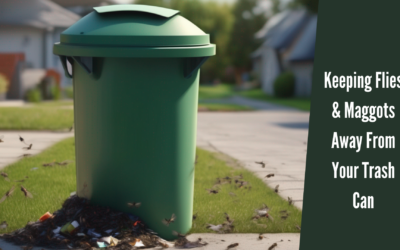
3 225
81 225
262 212
45 216
225 227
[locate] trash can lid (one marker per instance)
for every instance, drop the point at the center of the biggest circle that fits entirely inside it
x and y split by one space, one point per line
134 30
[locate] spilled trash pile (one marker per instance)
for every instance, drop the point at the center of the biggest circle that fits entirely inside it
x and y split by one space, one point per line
81 225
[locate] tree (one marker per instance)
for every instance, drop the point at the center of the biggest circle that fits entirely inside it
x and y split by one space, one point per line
276 6
312 5
242 42
213 18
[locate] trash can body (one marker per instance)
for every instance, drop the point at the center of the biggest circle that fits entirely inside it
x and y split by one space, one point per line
135 109
135 132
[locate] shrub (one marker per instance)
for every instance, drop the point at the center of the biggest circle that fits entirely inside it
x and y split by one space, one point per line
284 85
69 92
55 92
3 84
34 95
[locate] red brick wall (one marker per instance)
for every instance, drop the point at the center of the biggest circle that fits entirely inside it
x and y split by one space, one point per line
8 62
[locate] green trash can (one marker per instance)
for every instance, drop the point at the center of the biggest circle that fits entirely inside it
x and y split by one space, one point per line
135 72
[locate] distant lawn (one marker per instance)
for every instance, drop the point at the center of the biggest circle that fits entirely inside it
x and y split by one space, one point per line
215 91
299 103
36 117
223 107
59 115
52 104
50 186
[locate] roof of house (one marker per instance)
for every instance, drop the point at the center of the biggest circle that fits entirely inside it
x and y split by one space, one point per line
304 48
257 53
271 23
282 28
69 3
41 14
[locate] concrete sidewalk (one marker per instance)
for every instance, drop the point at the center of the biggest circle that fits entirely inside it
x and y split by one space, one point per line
255 104
11 149
221 241
277 137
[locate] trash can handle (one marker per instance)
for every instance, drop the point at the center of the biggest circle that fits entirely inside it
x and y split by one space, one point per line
159 11
65 67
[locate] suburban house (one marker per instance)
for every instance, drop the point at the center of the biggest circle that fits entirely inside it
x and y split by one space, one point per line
28 30
288 45
82 7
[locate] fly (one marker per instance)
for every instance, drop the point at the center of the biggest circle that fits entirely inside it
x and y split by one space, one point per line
212 191
5 175
273 246
261 163
22 140
232 245
169 221
26 192
276 189
134 204
8 194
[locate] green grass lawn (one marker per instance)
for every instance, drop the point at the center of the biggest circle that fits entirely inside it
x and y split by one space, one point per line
36 117
223 107
53 104
211 207
50 186
58 115
299 103
215 92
